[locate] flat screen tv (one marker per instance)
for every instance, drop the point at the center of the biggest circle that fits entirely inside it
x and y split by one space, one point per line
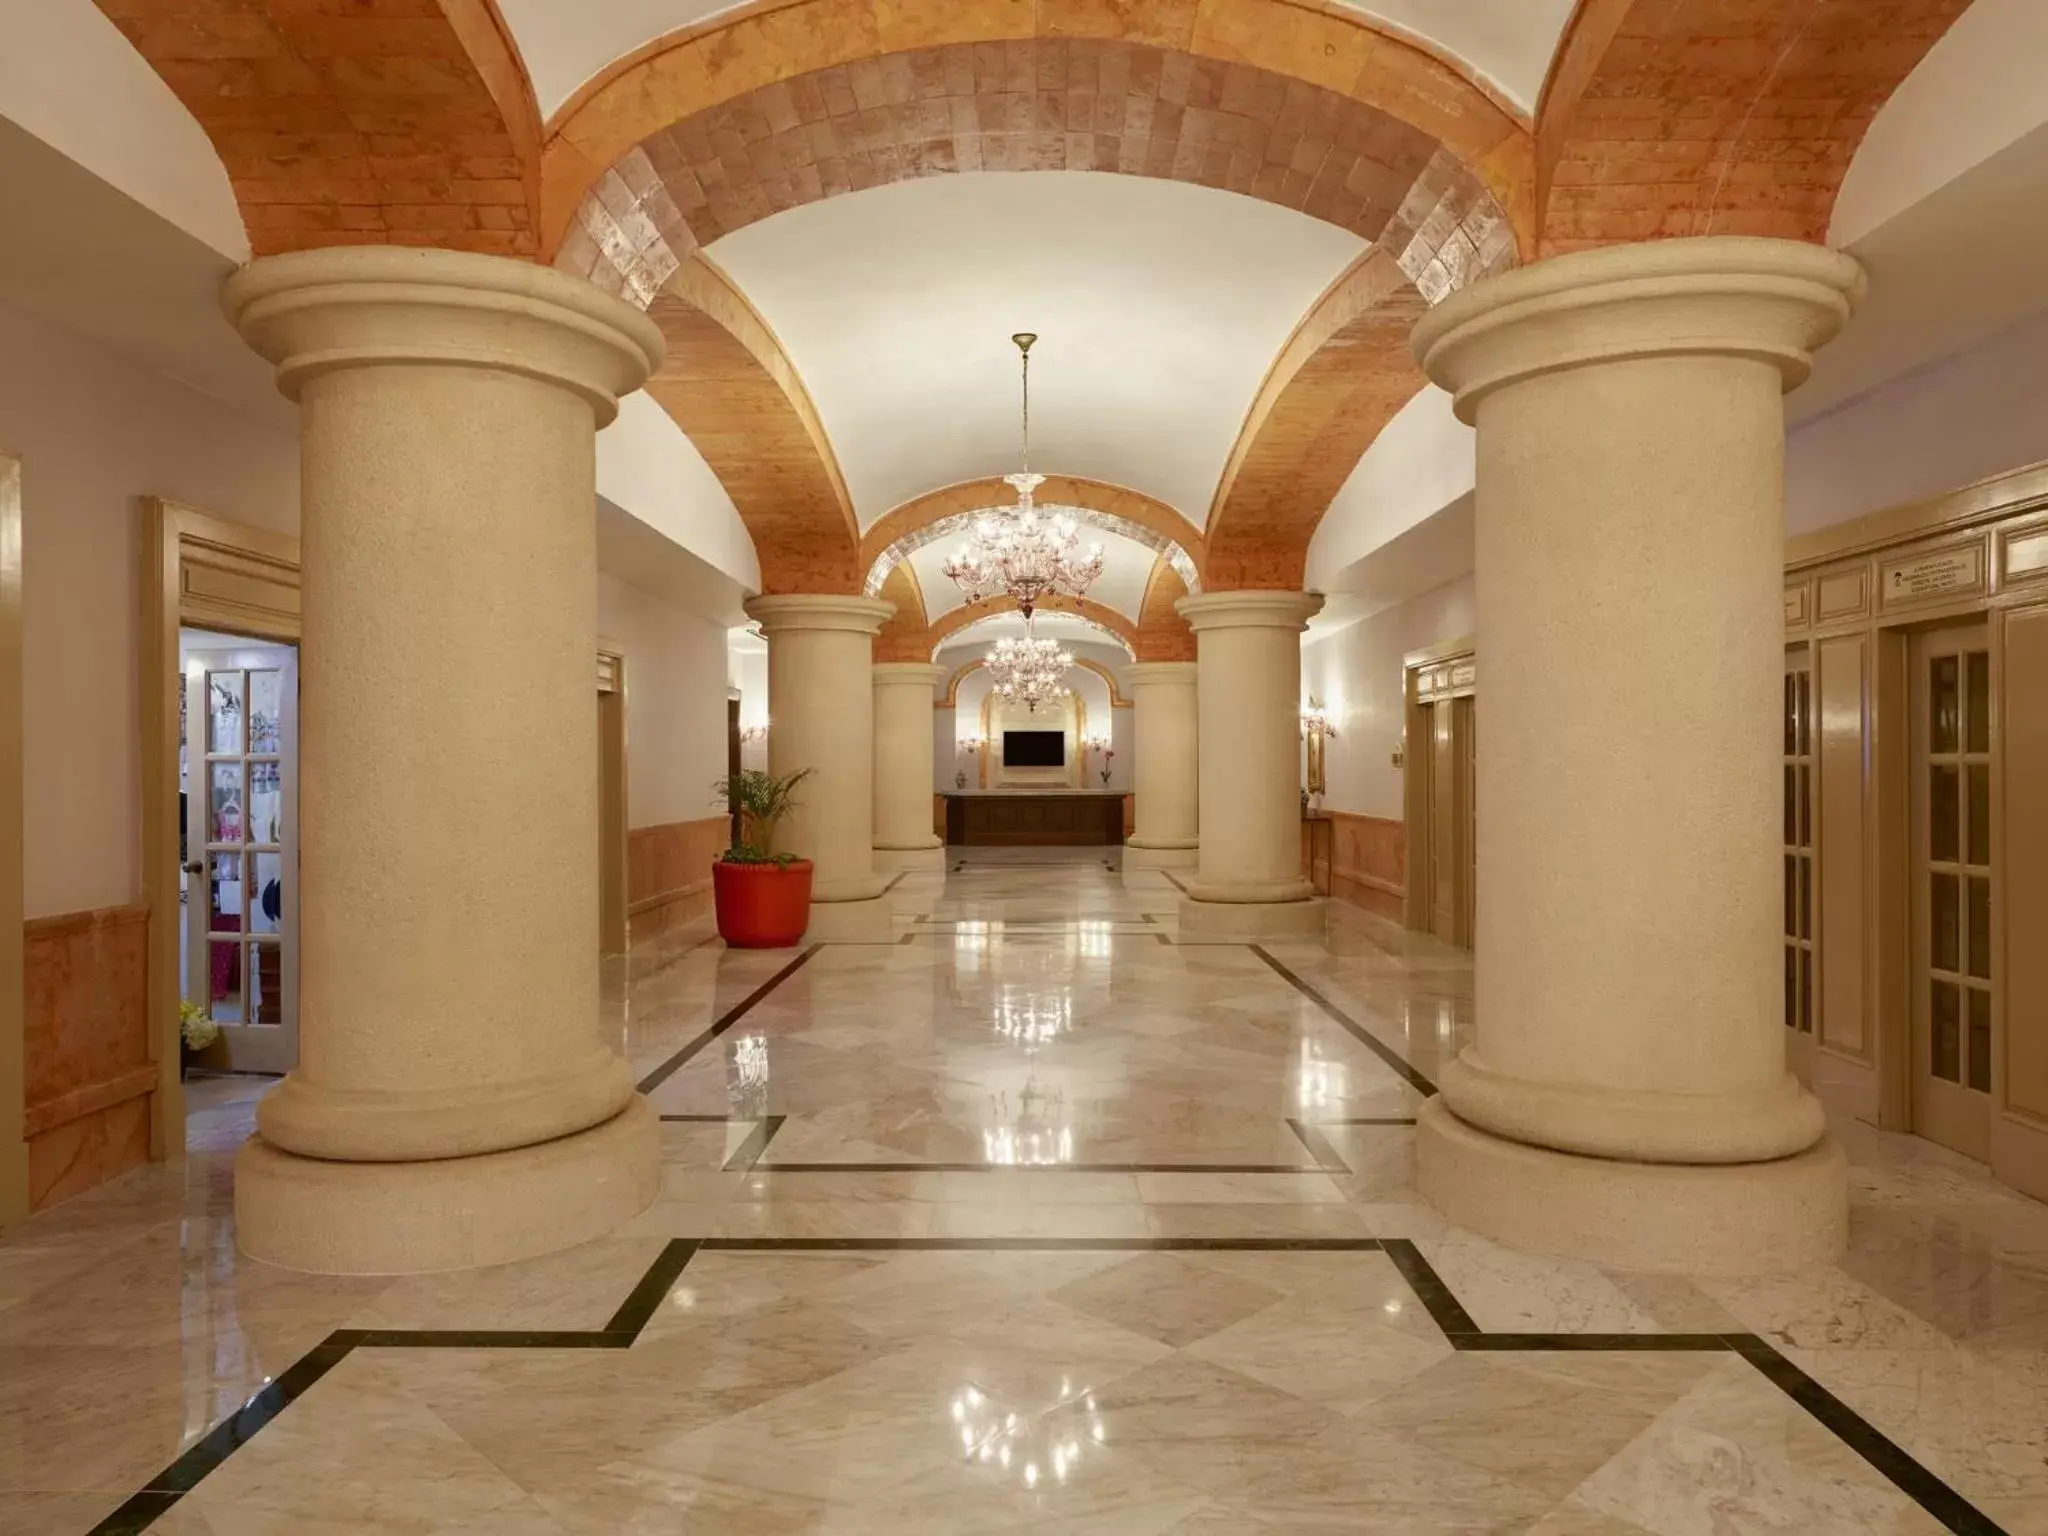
1035 749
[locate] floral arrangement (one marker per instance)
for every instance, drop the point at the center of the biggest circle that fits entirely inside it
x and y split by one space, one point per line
196 1027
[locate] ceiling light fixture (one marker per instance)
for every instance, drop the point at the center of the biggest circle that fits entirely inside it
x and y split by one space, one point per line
1024 553
1029 671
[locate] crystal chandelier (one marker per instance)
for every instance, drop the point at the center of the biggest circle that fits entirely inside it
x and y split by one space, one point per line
1024 553
1029 671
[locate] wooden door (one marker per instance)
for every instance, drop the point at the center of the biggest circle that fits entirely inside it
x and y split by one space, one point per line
1951 853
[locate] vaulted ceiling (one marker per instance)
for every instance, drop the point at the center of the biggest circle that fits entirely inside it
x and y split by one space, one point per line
839 210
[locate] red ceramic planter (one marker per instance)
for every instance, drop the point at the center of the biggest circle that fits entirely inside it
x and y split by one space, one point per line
762 906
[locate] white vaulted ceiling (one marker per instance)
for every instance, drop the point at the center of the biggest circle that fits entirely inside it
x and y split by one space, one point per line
1509 43
1159 307
1063 627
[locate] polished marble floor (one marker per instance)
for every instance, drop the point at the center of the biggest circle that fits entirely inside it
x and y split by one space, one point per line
1033 1219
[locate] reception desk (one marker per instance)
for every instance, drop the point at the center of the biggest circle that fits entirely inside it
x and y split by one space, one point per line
1014 818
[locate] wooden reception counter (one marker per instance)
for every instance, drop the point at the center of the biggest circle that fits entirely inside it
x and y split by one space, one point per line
993 818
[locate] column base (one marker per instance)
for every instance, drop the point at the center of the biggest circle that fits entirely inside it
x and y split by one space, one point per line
851 922
336 1218
1248 922
1139 855
930 860
1725 1219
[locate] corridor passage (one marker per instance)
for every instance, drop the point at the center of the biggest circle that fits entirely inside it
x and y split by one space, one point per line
1032 1219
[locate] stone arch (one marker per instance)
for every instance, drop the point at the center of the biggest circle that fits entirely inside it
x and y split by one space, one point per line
348 126
1099 615
962 673
1747 114
718 126
1110 508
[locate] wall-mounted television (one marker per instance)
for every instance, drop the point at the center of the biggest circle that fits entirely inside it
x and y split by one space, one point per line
1035 749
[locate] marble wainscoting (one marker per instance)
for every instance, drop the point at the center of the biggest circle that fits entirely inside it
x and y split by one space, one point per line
668 874
89 1073
1369 862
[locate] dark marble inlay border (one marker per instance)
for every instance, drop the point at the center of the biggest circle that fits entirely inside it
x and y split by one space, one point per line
1351 1026
1042 1168
1328 1160
724 1022
748 1153
150 1503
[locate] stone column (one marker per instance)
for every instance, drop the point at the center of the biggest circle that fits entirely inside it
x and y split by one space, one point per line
1248 881
1163 783
903 767
1626 1098
821 715
453 1103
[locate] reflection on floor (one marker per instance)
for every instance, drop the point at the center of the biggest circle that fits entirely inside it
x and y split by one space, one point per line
1031 1220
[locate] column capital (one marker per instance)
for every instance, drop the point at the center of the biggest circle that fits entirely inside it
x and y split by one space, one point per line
318 311
1773 301
1249 610
907 672
1139 673
795 611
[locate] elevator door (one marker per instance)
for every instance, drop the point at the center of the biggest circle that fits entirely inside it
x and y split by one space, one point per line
1951 842
1451 823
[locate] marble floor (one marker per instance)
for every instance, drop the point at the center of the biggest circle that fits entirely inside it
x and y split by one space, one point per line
1033 1219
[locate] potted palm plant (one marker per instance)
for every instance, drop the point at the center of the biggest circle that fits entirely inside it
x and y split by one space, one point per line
763 898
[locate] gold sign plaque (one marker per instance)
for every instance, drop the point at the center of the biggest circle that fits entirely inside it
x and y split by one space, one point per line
1935 575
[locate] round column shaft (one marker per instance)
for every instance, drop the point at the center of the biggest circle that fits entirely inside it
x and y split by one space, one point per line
1626 1098
453 1103
1164 783
903 767
821 716
1248 881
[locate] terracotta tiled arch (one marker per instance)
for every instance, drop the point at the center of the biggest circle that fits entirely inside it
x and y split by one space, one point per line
1053 102
1103 617
882 69
728 385
1341 377
962 673
906 635
1163 635
1736 117
1135 515
353 125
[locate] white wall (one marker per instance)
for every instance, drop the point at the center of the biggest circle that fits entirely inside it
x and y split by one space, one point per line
94 434
1978 90
69 77
748 671
1972 415
675 703
646 465
1357 674
1421 462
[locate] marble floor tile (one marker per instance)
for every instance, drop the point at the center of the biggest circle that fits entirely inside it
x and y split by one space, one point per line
966 1242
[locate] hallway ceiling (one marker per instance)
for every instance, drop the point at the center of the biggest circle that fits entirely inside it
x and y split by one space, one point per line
1508 43
1125 566
1159 306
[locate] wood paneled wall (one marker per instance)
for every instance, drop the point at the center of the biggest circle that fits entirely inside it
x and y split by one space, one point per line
668 873
89 1072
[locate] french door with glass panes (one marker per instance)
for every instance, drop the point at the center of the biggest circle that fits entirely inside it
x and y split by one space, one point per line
241 850
1953 1023
1798 848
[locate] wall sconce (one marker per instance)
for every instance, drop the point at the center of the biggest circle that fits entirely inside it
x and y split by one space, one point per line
1316 729
749 734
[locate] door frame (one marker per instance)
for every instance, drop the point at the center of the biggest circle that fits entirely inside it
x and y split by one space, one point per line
14 1186
613 875
211 573
1435 674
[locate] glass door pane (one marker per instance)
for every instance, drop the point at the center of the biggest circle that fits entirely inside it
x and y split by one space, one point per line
241 965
